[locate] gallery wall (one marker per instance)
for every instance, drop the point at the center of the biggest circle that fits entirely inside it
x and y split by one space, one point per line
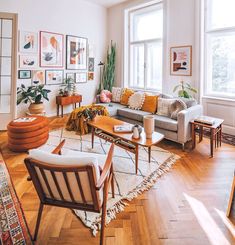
179 30
71 17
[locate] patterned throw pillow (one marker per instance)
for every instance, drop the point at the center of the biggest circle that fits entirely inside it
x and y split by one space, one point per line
105 96
125 96
164 105
150 103
176 107
116 94
136 100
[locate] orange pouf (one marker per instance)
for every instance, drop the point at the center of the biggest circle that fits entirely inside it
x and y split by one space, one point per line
23 136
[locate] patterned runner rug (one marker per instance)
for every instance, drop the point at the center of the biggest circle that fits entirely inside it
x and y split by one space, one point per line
13 228
128 185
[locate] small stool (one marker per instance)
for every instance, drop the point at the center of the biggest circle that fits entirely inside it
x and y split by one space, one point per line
23 136
215 133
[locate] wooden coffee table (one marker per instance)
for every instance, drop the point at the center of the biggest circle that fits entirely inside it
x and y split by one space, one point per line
102 127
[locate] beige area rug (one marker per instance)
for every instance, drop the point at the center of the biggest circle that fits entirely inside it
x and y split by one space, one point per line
128 185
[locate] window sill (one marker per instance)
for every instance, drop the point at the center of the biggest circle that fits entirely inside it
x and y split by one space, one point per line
211 97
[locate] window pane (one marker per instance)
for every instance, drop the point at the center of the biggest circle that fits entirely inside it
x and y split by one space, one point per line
137 66
154 67
220 13
221 63
5 85
7 28
5 101
147 23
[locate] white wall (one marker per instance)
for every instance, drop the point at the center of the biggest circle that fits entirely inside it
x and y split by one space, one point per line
72 17
179 30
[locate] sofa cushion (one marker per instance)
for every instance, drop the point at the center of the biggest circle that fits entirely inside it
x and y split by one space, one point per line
164 106
136 100
132 114
126 95
116 94
150 103
112 108
166 123
189 101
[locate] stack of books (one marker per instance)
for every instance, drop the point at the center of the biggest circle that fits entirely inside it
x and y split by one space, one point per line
205 120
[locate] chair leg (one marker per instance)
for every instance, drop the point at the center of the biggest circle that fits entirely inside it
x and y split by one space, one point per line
38 221
104 209
112 183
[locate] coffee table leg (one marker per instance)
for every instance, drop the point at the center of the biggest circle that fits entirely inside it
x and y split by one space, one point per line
149 151
193 136
136 158
92 137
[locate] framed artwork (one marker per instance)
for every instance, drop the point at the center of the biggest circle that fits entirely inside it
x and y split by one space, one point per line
54 77
71 75
28 42
38 76
91 64
24 74
76 53
81 77
181 61
28 61
90 76
51 49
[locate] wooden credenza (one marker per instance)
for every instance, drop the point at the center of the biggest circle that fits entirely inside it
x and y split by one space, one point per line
68 100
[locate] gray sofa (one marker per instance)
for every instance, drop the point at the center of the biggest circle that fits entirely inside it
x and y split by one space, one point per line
176 130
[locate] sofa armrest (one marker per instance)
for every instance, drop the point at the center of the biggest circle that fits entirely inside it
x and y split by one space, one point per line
184 118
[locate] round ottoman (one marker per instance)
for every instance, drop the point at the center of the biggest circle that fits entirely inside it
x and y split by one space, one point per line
26 135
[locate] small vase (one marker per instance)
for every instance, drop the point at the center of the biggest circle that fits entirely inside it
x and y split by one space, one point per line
149 126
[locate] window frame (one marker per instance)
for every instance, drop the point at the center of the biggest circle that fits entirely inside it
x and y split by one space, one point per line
207 34
145 43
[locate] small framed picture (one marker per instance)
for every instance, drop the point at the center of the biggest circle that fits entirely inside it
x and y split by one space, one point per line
90 76
39 76
81 77
181 61
91 65
28 61
54 77
71 75
28 42
24 74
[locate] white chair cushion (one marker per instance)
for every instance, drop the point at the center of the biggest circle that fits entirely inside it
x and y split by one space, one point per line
71 158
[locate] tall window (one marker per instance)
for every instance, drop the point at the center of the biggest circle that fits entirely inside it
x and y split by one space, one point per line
145 48
220 47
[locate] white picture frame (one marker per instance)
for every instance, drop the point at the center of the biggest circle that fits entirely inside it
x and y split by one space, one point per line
28 42
28 61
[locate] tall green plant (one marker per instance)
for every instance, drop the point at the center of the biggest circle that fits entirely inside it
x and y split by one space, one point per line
108 77
184 90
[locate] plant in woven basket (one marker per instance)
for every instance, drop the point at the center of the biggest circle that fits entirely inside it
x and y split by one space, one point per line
108 77
34 95
184 90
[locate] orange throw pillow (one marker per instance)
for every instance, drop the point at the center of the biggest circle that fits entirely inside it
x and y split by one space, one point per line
125 96
150 103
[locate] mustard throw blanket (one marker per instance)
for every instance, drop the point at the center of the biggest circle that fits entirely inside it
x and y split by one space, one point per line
80 116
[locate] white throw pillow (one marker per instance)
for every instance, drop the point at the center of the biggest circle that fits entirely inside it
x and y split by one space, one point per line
136 100
164 107
116 94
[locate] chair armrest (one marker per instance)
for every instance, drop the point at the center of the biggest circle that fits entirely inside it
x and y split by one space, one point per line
106 169
58 148
184 117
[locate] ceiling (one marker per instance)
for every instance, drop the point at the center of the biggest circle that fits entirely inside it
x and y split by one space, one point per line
107 3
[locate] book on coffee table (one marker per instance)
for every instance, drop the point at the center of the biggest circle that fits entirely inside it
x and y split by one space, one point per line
25 119
122 128
205 120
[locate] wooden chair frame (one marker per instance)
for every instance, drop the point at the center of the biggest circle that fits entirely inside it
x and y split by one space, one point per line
106 178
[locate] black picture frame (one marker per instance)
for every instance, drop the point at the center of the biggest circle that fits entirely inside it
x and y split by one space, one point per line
84 40
20 74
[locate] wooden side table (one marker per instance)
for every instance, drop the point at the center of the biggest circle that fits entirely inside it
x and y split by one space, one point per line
215 133
68 100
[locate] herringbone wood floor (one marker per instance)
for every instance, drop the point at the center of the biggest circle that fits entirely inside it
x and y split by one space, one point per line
186 206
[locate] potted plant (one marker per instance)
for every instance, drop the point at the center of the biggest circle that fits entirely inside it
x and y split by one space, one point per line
34 95
108 77
68 87
184 90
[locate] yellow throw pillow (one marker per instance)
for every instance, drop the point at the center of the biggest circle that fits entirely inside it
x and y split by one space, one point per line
150 103
125 96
